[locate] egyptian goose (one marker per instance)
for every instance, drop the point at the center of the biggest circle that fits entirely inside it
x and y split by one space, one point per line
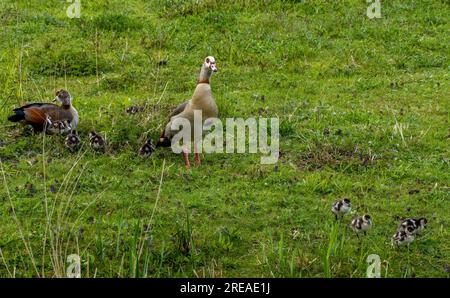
416 225
40 115
403 237
72 141
361 224
96 141
341 207
147 149
203 100
58 126
134 109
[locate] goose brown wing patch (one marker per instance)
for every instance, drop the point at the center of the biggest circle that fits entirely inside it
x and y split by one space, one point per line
35 116
180 108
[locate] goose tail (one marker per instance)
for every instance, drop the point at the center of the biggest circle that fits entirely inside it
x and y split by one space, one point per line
18 116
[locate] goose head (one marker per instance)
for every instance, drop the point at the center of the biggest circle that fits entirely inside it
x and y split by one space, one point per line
210 64
208 67
423 223
347 202
63 96
366 219
92 134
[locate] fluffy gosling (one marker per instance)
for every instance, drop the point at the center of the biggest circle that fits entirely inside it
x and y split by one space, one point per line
403 237
96 141
361 224
341 207
416 225
147 149
72 141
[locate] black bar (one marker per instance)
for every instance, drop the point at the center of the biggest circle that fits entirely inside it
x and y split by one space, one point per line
242 287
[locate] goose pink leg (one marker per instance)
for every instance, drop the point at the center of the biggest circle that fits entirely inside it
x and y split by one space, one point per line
197 160
186 158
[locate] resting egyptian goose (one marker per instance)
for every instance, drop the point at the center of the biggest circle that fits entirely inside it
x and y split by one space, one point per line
72 141
58 127
134 109
38 115
403 237
202 99
416 225
147 149
96 141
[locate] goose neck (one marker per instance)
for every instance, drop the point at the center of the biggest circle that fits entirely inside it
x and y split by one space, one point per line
205 75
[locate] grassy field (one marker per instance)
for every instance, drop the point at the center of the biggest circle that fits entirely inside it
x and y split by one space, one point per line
364 113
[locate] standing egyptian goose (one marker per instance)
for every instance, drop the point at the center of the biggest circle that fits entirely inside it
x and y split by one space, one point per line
38 114
341 207
361 224
203 100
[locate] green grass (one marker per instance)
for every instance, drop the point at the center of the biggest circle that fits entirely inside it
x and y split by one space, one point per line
363 107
